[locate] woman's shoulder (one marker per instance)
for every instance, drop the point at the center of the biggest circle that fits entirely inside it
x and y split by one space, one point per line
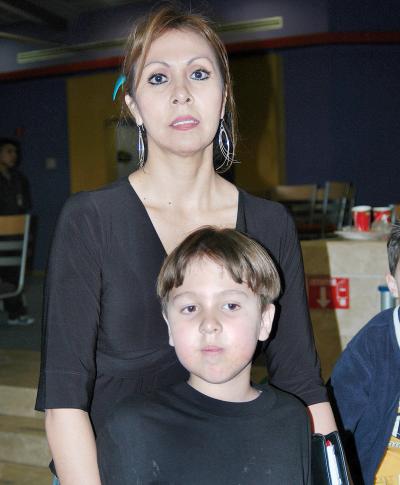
103 200
267 219
263 207
110 193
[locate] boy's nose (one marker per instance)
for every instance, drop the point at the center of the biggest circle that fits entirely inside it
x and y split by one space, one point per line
210 324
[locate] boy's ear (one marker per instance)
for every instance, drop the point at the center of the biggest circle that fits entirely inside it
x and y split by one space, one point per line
132 106
392 285
170 339
267 319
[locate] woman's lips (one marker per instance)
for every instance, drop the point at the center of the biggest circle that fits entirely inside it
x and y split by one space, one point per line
183 123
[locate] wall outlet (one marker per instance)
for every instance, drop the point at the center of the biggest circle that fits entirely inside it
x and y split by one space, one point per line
51 163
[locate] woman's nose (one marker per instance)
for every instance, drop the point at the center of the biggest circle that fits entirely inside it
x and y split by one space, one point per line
181 95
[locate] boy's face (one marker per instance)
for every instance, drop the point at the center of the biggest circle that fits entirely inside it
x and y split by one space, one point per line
393 282
214 324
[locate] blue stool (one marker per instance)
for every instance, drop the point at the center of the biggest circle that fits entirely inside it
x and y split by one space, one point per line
387 300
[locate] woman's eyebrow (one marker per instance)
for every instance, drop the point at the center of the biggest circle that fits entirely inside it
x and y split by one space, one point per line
156 62
190 61
193 59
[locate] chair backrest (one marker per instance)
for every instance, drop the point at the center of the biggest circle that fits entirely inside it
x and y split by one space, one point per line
14 239
303 192
336 198
299 199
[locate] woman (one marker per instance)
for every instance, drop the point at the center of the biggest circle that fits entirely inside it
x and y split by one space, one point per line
104 334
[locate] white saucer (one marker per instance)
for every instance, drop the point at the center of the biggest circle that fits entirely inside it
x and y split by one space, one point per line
349 232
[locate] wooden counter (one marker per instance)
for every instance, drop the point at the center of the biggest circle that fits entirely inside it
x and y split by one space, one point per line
362 265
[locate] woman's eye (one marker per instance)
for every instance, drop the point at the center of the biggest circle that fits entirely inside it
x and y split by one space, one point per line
200 75
189 309
231 306
156 79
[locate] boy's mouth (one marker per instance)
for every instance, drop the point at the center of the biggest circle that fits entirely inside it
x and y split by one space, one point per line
211 349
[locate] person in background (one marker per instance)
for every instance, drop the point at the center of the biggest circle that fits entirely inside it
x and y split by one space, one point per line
217 290
365 384
15 195
104 337
14 199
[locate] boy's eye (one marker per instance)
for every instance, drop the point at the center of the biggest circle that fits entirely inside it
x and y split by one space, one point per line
231 306
200 75
189 309
157 78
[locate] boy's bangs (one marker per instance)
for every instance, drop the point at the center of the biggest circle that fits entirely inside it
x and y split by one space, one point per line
245 260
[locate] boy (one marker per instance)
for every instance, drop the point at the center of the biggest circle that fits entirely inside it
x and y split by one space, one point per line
14 199
366 387
216 290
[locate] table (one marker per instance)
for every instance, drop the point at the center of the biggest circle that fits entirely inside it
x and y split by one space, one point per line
360 264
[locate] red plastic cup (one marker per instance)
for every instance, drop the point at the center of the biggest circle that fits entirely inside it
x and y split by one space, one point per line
383 214
362 217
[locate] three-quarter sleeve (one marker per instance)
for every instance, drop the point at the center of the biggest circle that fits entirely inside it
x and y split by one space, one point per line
292 360
71 308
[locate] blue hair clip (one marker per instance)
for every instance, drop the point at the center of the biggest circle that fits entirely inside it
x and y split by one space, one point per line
118 83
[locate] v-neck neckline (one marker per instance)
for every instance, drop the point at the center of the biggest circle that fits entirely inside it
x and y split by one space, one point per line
240 224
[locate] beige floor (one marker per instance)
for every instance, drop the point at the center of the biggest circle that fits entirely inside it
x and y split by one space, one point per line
19 368
12 474
24 453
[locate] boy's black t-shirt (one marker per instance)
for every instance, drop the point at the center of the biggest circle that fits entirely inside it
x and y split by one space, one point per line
179 436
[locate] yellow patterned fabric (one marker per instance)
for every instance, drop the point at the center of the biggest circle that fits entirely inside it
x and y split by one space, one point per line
389 469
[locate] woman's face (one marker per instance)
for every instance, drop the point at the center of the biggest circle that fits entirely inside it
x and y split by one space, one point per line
180 94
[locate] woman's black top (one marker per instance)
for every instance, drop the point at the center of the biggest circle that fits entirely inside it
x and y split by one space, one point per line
104 337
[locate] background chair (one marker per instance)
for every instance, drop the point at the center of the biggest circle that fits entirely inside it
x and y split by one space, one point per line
317 211
14 239
299 200
337 200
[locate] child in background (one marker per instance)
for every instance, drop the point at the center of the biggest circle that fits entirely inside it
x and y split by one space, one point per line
217 290
366 388
14 199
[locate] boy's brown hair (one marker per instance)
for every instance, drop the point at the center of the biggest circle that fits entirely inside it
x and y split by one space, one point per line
245 260
393 247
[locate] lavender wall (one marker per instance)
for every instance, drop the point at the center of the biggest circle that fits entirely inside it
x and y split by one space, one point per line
114 23
341 102
363 15
39 108
342 118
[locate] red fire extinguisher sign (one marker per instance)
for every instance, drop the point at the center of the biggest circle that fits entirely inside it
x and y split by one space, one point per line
328 292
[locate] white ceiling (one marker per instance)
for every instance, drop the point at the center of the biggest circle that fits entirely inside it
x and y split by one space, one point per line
53 13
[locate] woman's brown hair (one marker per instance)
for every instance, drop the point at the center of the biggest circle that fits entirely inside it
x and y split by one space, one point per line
245 260
157 22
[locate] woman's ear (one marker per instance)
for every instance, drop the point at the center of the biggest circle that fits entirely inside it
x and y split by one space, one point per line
392 285
267 318
132 106
170 339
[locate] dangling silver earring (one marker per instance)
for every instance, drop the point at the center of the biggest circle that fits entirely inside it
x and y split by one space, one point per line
141 146
225 146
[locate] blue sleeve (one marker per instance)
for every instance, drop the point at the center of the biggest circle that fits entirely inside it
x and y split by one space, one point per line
351 384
